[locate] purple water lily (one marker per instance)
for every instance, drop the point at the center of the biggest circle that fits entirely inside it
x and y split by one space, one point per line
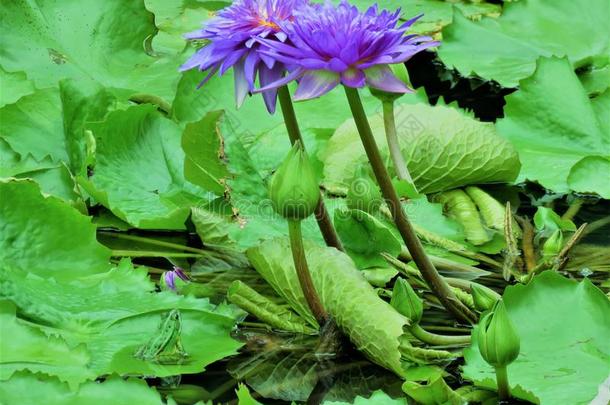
328 45
170 277
233 36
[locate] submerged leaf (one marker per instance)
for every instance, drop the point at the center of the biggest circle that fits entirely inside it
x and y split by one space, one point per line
564 328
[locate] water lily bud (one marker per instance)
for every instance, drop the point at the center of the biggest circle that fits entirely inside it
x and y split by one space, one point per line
553 245
293 188
498 341
483 298
406 301
363 193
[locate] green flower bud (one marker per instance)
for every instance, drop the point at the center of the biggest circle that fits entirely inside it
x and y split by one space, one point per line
406 301
482 298
553 245
293 188
497 338
363 193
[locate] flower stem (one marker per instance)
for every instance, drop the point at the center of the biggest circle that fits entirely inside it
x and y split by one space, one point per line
294 133
400 166
144 253
437 340
300 264
152 241
502 381
437 285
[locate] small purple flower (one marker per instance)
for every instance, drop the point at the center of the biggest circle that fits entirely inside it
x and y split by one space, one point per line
328 45
170 277
233 35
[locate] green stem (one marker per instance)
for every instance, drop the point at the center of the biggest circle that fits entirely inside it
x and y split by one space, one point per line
154 242
144 253
400 166
438 340
294 133
502 381
300 264
573 209
436 283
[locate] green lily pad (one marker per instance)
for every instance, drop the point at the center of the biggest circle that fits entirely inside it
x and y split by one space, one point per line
506 49
45 236
443 147
564 328
14 86
553 126
585 176
103 43
138 173
27 388
112 315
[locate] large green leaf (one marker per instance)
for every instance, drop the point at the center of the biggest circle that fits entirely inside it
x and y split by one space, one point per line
343 291
51 40
203 146
14 86
553 124
564 328
25 347
25 388
44 236
138 173
435 14
33 126
112 315
377 398
506 49
443 148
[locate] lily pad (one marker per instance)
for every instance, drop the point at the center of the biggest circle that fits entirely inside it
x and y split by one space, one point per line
506 49
27 388
138 173
45 236
103 43
564 328
553 124
444 148
112 315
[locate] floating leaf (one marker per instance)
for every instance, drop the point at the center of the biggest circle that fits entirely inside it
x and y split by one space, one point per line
564 328
26 388
506 49
138 170
443 148
112 315
553 127
84 40
203 146
42 235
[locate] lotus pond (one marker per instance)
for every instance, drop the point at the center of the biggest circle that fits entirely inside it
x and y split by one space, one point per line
285 201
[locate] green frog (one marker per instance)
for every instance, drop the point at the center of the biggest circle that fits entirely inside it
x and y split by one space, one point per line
166 346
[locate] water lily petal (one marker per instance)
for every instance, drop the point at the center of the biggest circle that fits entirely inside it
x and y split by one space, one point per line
315 84
381 77
353 78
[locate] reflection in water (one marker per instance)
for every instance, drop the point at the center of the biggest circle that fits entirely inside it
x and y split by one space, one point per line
302 368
